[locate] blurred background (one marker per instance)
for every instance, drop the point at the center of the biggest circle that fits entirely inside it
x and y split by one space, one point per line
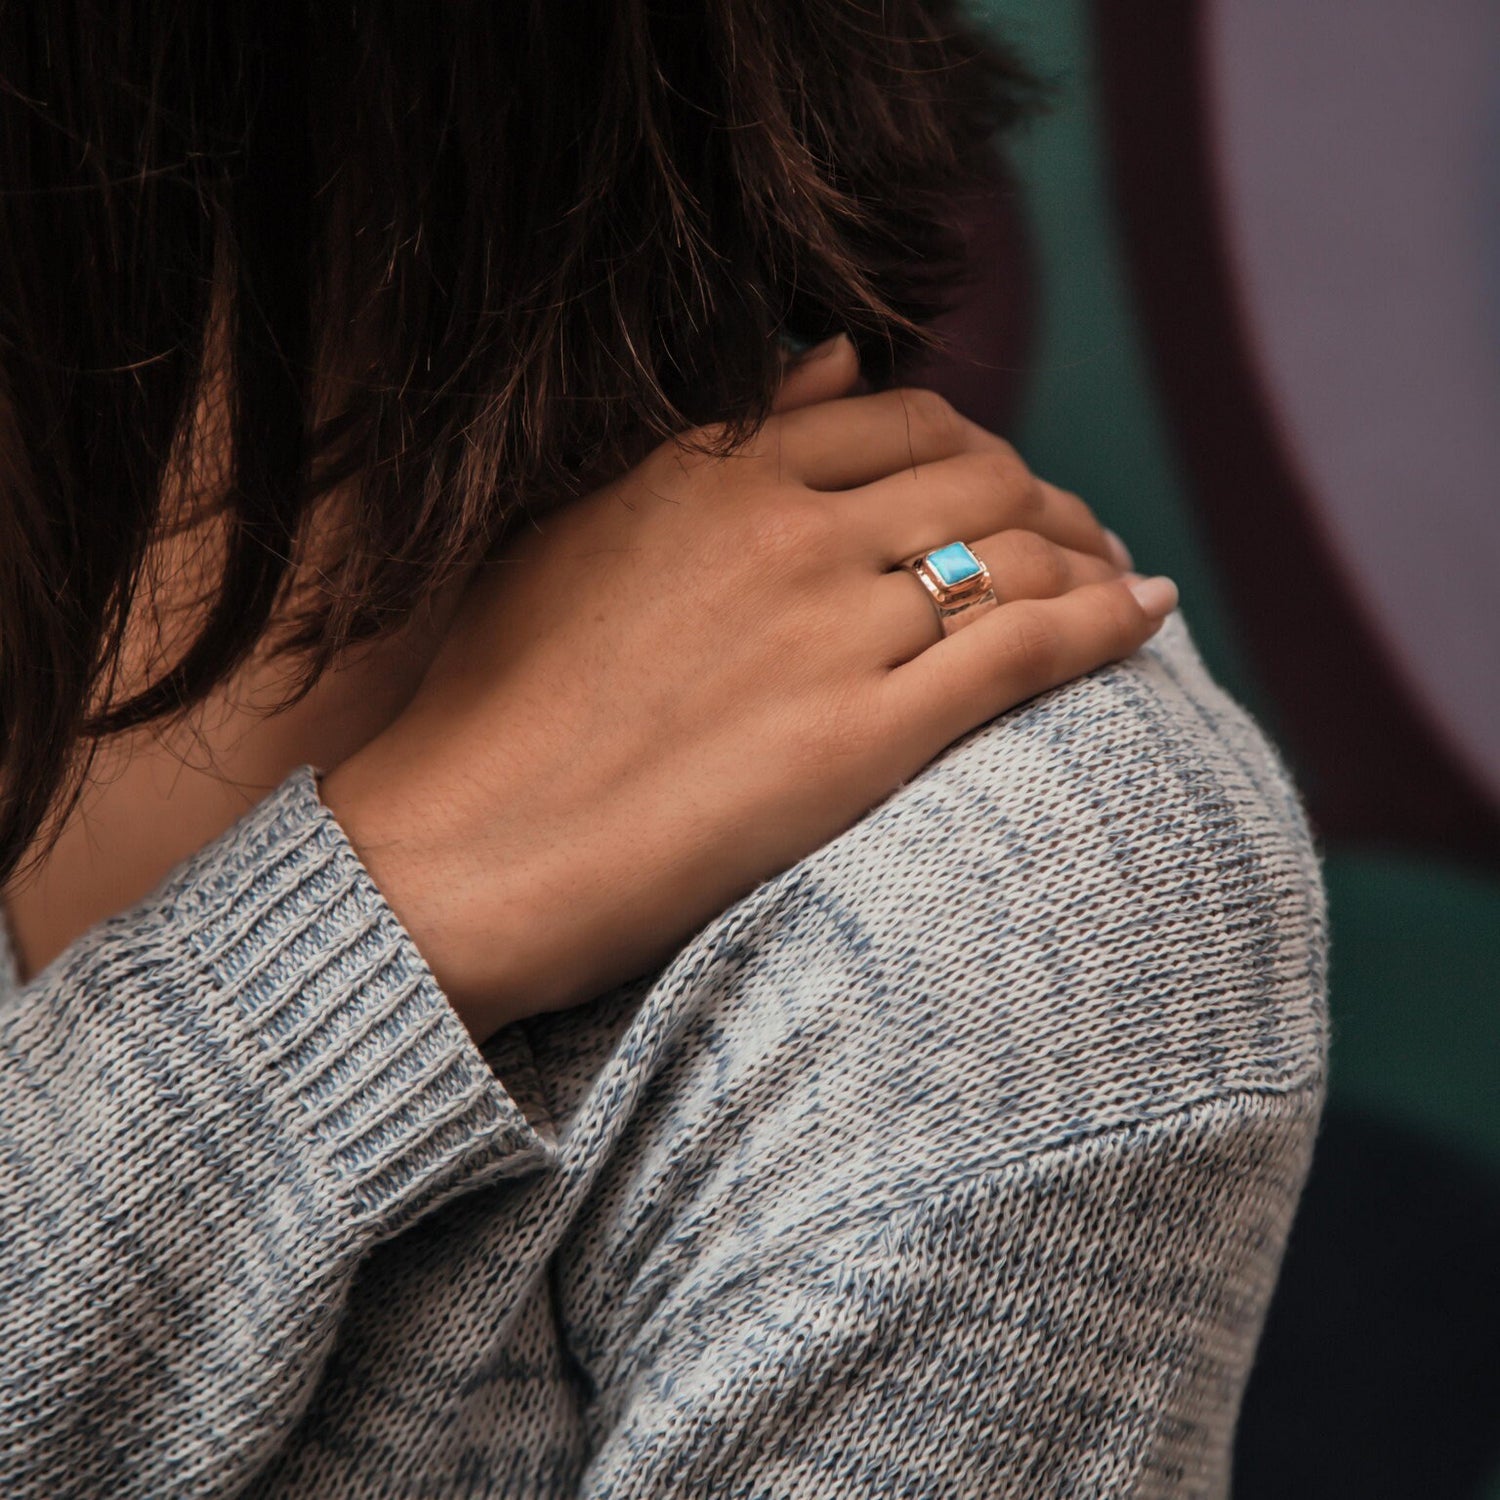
1243 295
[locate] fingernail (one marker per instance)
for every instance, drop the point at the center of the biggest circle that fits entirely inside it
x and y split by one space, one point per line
1118 548
823 350
1157 596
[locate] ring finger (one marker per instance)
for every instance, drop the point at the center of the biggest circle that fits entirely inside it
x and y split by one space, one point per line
1022 565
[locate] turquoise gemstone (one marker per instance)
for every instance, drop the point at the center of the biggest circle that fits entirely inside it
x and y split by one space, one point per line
954 564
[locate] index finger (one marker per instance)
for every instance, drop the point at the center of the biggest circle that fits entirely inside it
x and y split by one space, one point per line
859 439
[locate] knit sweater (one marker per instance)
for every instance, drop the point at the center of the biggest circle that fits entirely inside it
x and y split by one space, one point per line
956 1160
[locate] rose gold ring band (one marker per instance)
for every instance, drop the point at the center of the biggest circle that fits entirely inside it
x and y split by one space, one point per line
957 582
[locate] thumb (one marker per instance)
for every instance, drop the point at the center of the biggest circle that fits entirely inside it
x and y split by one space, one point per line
825 371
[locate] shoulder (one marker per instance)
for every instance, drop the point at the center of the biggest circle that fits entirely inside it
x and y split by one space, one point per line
1058 1000
1099 911
1107 902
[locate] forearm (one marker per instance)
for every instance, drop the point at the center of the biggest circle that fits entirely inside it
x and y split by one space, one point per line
213 1106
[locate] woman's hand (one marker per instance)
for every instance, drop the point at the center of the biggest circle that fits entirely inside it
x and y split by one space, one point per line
686 681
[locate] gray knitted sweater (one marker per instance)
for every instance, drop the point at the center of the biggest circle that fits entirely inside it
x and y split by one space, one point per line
957 1160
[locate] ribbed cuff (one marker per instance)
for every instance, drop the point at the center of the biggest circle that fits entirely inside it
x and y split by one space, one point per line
395 1097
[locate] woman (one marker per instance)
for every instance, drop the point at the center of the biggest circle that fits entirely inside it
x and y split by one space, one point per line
900 998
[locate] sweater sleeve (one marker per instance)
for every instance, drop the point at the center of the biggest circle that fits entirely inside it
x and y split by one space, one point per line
1078 1322
211 1107
969 1165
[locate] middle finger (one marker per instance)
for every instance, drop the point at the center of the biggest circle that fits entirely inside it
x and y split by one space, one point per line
957 499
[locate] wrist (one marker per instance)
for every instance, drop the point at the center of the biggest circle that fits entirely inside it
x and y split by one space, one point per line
426 878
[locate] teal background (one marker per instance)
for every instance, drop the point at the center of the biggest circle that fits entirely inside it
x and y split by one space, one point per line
1415 946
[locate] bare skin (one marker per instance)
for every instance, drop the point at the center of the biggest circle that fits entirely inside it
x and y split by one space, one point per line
553 796
156 797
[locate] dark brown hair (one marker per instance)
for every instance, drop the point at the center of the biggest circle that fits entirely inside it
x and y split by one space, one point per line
516 239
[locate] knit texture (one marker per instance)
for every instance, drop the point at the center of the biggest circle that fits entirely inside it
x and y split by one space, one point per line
957 1160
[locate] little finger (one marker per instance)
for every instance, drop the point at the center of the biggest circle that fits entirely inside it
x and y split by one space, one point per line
1020 649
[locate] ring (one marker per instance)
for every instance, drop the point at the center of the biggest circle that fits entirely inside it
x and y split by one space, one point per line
957 582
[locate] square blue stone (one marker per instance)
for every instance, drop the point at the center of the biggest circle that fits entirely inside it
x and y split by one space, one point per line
954 564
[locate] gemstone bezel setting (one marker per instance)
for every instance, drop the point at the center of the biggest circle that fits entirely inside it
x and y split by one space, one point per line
957 581
953 565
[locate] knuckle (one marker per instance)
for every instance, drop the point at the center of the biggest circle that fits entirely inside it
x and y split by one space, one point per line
1007 449
1001 472
934 413
781 529
1078 503
1040 562
1030 643
1031 498
707 435
696 448
1113 620
1086 567
717 447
